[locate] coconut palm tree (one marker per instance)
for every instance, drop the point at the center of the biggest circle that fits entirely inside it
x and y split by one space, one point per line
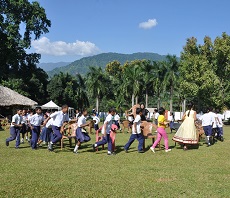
171 76
148 78
81 96
158 84
132 79
96 83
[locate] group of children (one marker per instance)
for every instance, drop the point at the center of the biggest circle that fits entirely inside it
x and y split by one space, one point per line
54 125
212 124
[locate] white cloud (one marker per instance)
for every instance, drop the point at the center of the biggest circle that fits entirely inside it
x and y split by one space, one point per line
148 24
60 48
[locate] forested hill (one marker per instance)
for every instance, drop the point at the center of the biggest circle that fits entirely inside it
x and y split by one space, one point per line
101 60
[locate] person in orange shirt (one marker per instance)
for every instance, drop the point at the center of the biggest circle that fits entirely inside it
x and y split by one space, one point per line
161 131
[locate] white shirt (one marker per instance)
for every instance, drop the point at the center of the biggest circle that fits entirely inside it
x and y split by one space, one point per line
130 118
96 119
29 116
36 120
117 117
81 121
59 118
17 119
24 119
138 125
49 123
109 121
214 117
206 119
220 117
156 115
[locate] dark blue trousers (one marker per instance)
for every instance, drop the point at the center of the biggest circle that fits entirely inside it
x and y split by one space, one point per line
49 134
15 134
208 130
104 141
220 131
57 134
35 136
132 138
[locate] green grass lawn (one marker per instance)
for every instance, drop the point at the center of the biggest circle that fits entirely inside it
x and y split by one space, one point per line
203 172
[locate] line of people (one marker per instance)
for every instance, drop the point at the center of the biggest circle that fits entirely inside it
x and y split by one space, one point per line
54 126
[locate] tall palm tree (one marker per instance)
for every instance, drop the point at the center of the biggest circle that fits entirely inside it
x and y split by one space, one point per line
81 96
171 76
96 83
148 78
132 81
159 75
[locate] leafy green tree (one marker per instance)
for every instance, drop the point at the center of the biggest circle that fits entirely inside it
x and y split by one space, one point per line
64 88
198 79
16 85
14 40
20 22
114 69
221 54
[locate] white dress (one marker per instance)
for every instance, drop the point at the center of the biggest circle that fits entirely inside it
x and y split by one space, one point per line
187 133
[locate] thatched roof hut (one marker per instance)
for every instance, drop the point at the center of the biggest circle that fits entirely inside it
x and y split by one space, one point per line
9 97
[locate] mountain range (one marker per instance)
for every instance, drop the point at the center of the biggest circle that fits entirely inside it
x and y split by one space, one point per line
82 65
50 66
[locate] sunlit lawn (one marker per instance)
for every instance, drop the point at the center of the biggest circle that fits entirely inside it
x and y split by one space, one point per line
203 172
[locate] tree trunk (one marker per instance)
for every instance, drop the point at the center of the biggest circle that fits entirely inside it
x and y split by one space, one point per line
136 99
171 99
133 100
158 102
184 106
146 98
97 104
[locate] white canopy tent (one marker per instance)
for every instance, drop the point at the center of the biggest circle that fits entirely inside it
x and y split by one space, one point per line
50 105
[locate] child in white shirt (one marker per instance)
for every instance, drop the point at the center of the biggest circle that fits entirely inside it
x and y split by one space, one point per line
106 132
136 133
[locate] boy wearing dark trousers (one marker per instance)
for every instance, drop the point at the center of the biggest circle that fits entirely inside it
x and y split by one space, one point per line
60 119
81 134
106 132
136 133
35 125
15 129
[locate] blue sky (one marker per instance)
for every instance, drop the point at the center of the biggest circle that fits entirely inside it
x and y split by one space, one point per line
87 27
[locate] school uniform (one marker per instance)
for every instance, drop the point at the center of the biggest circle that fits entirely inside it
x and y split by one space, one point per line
58 119
81 134
49 131
28 128
15 131
156 117
24 124
35 121
106 139
220 125
97 120
207 121
130 119
117 120
214 119
136 135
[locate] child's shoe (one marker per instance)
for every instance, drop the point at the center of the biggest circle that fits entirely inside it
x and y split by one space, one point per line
152 149
168 150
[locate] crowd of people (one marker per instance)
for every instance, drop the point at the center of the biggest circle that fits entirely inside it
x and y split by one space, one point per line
49 127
